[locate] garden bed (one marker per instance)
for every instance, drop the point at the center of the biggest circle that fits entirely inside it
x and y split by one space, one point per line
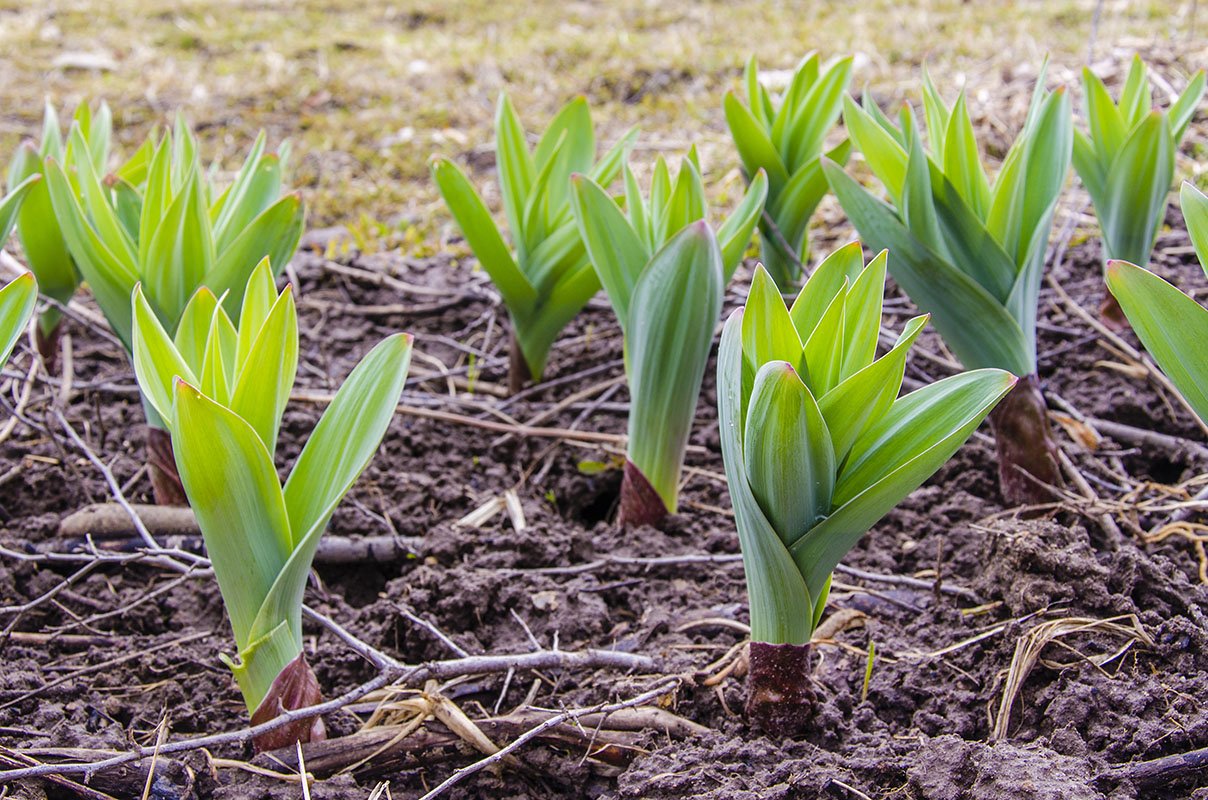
964 582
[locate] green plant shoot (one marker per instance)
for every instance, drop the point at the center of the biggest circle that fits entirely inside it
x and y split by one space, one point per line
969 250
786 142
545 279
663 270
249 369
1126 158
1172 326
173 235
261 536
38 230
817 447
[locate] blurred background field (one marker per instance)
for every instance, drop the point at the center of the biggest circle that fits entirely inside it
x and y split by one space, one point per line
368 90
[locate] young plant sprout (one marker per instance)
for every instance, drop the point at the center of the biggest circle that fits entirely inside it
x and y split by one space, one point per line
971 251
1126 162
664 270
221 393
786 143
17 301
546 279
1172 326
249 369
817 447
38 230
174 235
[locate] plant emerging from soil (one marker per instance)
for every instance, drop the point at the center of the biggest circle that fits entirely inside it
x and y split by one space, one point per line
1126 163
546 279
17 302
221 392
969 251
38 229
167 227
1172 326
664 270
817 447
786 143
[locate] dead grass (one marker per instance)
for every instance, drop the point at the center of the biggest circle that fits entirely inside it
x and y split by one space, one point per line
370 89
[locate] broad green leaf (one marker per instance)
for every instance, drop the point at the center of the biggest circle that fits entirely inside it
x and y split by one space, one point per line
17 302
1140 178
347 435
515 164
734 234
768 333
157 362
672 314
258 299
1171 325
816 114
1135 97
10 204
962 165
232 486
914 423
265 374
181 253
938 117
824 349
110 277
1106 125
1195 213
975 325
885 156
483 237
218 367
567 299
862 317
274 235
972 245
1184 108
194 329
839 269
919 433
754 147
865 396
787 452
781 605
614 248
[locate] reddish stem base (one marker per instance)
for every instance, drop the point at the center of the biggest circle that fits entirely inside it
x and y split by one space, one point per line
1027 455
296 687
518 369
780 696
640 503
161 466
48 345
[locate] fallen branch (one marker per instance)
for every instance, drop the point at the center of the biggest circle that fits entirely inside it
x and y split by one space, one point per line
171 779
393 673
611 738
1163 771
1177 448
110 527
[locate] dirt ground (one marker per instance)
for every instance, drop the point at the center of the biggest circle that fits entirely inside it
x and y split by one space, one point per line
922 731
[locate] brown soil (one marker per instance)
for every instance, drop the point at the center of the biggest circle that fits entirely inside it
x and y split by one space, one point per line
922 732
